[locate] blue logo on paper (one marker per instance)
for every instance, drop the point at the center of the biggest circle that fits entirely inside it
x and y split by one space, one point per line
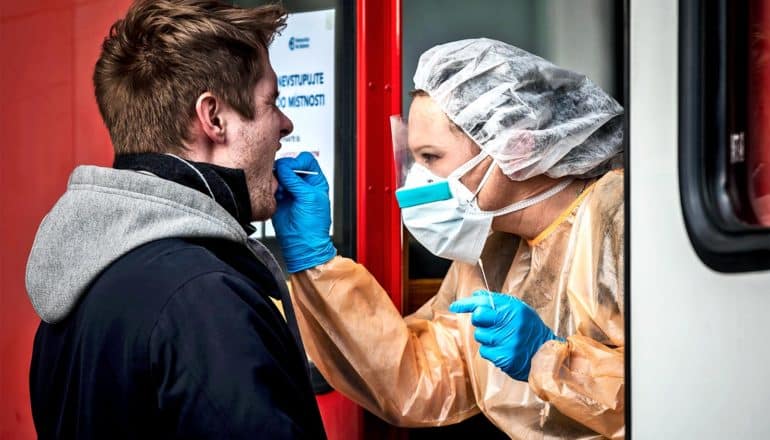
299 43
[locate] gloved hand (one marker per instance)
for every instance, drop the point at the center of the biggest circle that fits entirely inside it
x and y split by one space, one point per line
303 215
509 335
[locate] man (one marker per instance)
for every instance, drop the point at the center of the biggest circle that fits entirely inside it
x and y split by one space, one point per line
157 315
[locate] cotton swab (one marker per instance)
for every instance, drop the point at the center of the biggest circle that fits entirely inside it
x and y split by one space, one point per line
486 284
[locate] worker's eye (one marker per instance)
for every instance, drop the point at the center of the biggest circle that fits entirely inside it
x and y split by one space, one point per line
428 157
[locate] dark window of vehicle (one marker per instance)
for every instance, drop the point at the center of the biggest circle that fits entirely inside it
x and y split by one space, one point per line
724 131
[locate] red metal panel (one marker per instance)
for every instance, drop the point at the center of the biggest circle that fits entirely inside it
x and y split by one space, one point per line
36 80
92 22
378 95
378 87
46 87
341 417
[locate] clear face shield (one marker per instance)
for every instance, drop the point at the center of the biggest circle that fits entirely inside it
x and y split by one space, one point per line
415 184
402 157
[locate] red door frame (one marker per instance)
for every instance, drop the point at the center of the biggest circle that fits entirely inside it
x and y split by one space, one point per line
378 91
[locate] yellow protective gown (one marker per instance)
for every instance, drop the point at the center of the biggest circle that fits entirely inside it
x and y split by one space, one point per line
425 369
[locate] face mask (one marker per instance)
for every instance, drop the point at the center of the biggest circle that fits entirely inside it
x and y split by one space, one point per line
443 215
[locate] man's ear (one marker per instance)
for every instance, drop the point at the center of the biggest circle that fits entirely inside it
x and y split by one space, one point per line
209 111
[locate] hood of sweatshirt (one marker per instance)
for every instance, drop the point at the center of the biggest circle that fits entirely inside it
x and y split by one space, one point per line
104 214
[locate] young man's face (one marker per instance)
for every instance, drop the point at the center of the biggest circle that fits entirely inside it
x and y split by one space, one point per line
256 141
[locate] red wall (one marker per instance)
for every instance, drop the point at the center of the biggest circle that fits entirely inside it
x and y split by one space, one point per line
378 96
48 122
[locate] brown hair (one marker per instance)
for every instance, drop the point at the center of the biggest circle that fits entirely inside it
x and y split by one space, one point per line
418 92
422 93
165 53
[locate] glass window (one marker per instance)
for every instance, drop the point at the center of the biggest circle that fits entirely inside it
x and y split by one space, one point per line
582 35
724 128
313 59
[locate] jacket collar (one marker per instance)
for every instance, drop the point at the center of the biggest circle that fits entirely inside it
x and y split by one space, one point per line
227 186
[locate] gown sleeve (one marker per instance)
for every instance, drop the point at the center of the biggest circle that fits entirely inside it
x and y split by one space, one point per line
408 371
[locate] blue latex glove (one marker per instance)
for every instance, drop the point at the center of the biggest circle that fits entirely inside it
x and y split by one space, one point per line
509 335
303 215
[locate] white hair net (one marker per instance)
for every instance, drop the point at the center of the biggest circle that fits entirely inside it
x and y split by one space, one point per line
529 115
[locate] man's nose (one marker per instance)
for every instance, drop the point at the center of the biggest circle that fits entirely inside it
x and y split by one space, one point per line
286 125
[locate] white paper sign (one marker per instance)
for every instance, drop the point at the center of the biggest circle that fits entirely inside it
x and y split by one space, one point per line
303 60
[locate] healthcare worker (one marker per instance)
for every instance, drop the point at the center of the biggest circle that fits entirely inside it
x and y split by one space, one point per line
516 165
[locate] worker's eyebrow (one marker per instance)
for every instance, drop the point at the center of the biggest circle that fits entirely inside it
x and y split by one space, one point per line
419 148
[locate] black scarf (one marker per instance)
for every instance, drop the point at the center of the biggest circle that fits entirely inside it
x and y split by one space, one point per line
227 186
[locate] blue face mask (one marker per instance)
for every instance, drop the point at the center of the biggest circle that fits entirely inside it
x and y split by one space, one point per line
443 215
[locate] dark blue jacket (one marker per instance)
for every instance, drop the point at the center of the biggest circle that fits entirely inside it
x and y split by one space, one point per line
177 338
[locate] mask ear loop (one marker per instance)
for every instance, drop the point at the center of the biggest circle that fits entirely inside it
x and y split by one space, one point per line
467 166
484 179
526 203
